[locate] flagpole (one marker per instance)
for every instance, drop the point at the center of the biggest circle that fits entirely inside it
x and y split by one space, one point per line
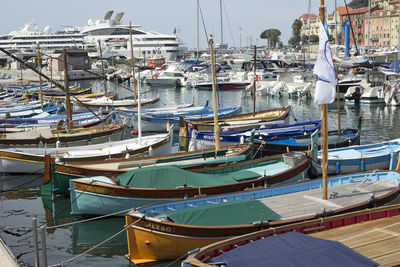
324 127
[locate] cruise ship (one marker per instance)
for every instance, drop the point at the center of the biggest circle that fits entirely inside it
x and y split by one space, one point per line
113 35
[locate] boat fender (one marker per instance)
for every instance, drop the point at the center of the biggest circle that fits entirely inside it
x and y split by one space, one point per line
372 201
150 151
58 144
168 126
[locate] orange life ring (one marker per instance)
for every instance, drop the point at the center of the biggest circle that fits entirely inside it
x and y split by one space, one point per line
154 76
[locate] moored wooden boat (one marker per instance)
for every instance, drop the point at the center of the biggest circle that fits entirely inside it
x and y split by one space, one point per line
57 175
236 122
168 230
103 195
205 139
379 156
46 136
348 227
106 102
31 160
155 122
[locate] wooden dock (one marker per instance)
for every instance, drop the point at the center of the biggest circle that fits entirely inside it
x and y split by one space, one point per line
378 240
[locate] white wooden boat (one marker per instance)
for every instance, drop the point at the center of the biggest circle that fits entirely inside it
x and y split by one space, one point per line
31 160
106 102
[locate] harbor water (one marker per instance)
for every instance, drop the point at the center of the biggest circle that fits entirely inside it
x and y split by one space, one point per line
20 198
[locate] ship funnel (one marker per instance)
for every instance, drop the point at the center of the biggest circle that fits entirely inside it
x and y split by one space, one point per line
108 15
118 17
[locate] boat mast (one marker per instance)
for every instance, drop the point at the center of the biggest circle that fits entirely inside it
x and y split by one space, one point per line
324 127
214 89
67 96
102 68
39 60
255 80
198 30
132 61
139 112
222 32
369 26
336 38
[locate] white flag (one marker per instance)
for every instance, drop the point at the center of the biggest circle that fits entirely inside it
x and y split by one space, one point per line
325 88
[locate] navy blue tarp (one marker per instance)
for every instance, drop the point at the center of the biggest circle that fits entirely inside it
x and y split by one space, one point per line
293 249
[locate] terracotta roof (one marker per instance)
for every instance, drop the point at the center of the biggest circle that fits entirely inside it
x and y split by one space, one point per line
342 10
306 16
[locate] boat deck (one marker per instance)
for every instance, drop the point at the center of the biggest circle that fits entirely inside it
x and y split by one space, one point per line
378 240
310 202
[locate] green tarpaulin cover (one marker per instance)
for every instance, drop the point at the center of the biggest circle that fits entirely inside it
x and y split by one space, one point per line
228 213
172 177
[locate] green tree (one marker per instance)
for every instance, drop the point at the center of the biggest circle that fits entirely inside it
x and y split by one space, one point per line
314 39
294 41
272 36
358 3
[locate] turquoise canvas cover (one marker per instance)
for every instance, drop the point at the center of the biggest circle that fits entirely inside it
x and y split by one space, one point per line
228 213
172 177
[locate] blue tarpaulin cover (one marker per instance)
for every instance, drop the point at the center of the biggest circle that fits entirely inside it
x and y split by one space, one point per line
395 65
293 249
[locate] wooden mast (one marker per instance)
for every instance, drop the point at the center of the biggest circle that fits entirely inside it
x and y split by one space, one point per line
338 103
67 96
132 61
39 60
324 127
214 90
102 68
255 80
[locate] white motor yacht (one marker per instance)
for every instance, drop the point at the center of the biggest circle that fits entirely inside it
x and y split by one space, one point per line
172 76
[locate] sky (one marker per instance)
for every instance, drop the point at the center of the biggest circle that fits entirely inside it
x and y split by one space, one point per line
243 21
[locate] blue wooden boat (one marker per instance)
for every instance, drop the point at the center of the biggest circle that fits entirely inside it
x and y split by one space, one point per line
158 122
32 112
205 139
380 156
80 119
168 230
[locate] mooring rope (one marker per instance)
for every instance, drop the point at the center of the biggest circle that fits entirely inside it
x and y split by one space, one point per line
63 263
